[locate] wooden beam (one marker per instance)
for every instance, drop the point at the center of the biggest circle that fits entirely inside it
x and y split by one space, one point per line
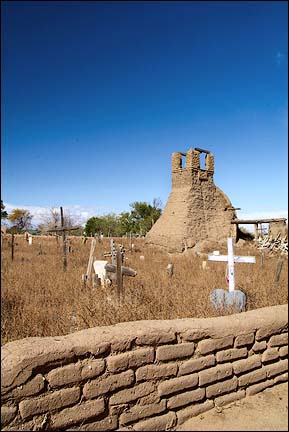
63 229
202 150
126 271
256 221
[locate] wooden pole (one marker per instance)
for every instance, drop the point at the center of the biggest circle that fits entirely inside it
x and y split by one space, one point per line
256 231
90 261
112 250
279 269
12 247
119 273
130 243
63 241
262 259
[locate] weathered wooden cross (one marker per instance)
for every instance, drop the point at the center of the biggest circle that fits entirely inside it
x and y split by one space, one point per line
120 271
63 230
231 260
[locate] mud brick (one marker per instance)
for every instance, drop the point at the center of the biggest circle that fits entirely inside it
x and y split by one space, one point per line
156 338
249 363
130 359
252 377
283 351
192 411
256 388
32 387
159 423
195 365
270 354
210 345
215 374
177 384
64 375
279 340
276 368
281 378
267 331
104 385
106 424
222 387
7 414
92 368
259 346
231 354
78 413
134 393
49 402
243 340
170 352
186 398
228 398
141 411
150 372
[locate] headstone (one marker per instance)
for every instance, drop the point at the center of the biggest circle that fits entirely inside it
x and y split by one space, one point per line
30 240
222 299
100 271
170 269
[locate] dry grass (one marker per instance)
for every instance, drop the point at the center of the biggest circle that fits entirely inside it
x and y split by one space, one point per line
39 299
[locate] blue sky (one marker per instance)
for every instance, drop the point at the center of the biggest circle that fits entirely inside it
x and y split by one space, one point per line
97 95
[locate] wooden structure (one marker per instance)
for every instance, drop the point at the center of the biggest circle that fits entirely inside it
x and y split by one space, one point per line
256 223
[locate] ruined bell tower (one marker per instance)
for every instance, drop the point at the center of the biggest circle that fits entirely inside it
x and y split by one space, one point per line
196 209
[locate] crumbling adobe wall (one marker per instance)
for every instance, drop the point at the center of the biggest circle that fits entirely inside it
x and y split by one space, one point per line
278 228
196 209
144 375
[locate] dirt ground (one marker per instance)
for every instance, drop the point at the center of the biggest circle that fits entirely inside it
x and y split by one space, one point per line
265 411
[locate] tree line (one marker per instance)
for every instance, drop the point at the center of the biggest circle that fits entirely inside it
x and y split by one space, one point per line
138 220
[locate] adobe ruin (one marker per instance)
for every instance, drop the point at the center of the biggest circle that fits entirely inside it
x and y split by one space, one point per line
196 209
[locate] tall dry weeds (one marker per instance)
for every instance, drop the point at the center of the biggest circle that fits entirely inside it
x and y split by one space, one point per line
39 299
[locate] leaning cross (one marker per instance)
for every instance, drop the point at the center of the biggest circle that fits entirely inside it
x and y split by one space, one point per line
231 260
63 230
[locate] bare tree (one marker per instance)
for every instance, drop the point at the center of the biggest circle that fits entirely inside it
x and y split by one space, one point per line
51 219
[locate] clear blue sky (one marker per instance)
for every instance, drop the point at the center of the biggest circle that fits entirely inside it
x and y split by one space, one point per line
97 95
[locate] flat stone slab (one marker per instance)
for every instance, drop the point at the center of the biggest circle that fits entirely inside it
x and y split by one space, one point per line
222 299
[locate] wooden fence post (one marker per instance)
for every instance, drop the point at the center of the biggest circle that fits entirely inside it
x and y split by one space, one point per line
12 247
63 241
279 269
119 274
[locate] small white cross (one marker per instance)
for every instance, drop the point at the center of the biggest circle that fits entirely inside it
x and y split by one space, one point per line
231 260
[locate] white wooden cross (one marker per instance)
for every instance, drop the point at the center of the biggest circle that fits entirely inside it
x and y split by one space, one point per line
231 260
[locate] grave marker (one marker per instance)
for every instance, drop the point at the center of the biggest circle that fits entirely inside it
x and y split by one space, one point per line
63 230
86 276
237 298
231 259
120 271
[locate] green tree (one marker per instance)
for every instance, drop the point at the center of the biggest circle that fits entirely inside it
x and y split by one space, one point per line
145 215
21 219
126 223
106 224
4 213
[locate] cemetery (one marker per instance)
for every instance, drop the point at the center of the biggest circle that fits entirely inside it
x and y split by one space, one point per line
139 333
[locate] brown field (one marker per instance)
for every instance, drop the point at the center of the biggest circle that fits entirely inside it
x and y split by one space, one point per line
39 299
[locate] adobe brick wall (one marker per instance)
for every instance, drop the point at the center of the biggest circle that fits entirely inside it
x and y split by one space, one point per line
196 209
144 375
